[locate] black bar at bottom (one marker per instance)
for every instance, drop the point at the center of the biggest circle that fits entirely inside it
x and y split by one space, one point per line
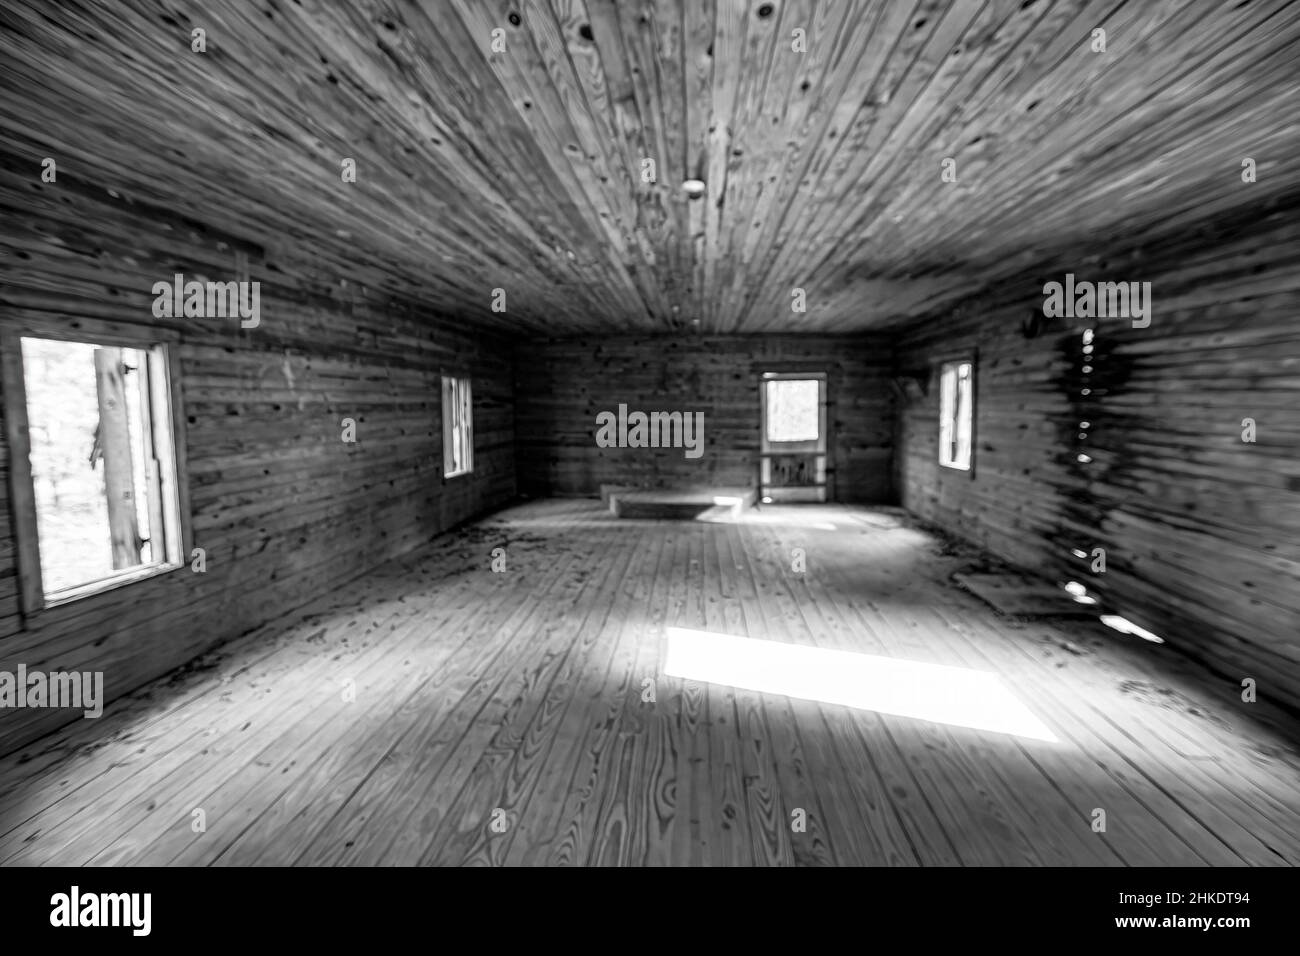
334 907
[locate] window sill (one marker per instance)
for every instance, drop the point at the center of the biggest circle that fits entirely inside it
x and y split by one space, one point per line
968 470
83 591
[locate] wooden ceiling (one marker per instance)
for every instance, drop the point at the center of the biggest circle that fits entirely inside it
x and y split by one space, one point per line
522 169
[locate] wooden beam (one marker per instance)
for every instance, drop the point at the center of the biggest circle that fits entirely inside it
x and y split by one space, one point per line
22 497
115 446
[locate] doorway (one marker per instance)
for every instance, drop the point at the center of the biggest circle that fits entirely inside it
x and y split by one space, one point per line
792 455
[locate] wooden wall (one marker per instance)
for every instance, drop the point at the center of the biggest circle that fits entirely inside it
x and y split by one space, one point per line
284 509
1201 529
567 382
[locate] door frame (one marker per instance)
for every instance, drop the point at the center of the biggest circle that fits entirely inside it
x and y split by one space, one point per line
818 448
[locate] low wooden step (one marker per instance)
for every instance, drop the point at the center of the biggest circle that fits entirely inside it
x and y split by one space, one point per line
679 504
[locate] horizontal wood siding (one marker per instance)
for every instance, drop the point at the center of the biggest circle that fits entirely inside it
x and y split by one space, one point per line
568 382
1201 529
283 507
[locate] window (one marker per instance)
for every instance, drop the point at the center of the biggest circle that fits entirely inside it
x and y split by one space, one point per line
95 493
457 427
793 409
956 414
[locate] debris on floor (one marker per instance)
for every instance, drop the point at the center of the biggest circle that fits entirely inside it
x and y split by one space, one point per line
1020 596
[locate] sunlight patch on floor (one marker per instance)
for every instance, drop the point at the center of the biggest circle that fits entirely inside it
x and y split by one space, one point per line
886 685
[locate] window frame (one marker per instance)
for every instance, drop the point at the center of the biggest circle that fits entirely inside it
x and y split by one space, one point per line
816 445
22 493
972 359
451 383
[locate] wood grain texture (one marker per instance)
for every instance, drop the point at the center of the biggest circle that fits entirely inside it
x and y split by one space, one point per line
1201 529
501 145
564 385
523 693
283 508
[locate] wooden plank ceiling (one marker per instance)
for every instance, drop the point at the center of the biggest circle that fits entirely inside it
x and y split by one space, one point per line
522 169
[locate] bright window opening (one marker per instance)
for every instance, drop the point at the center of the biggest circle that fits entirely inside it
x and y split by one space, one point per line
793 409
102 460
457 427
956 414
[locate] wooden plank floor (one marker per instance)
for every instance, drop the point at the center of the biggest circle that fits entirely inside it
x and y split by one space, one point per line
438 712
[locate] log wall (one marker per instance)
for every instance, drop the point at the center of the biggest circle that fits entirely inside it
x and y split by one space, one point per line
1201 530
568 382
283 507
